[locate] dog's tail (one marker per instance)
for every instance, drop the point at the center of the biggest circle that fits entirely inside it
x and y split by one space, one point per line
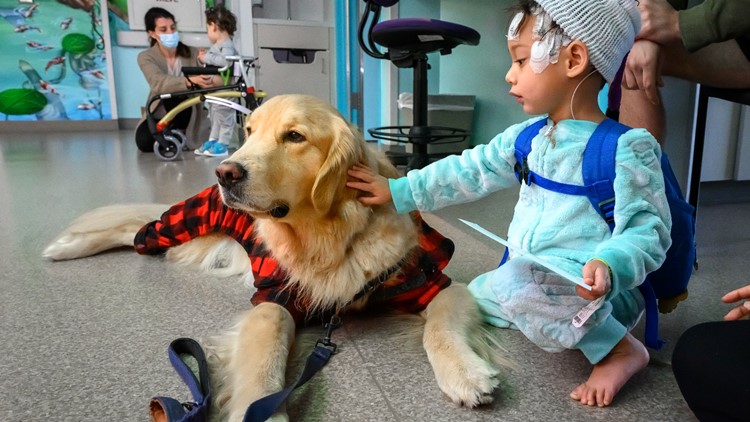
102 229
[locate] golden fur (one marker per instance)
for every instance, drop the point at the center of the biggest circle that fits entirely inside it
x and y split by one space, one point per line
295 159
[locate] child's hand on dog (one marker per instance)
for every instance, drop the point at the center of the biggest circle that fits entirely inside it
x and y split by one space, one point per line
595 274
369 182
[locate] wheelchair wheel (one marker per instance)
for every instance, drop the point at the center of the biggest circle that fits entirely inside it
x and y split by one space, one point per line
169 152
179 135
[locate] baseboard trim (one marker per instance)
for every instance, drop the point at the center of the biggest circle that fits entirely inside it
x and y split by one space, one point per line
58 126
67 125
724 192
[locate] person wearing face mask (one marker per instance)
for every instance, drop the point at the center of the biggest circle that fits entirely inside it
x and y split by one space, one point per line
161 65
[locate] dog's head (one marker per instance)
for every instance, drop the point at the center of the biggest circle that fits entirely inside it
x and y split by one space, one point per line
294 160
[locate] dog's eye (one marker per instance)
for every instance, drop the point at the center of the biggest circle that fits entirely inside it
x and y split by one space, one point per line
294 136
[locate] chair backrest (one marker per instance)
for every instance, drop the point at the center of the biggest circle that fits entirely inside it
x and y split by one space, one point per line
370 18
383 3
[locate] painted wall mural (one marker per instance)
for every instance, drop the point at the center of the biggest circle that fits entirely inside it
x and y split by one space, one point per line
54 61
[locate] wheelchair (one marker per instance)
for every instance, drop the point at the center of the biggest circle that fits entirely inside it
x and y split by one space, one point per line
170 141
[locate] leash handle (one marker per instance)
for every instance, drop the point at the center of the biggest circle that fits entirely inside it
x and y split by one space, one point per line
167 409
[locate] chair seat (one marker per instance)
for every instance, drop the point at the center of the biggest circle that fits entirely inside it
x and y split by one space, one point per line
422 35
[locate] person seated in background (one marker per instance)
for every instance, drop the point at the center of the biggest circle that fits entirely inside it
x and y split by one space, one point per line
711 363
161 65
707 44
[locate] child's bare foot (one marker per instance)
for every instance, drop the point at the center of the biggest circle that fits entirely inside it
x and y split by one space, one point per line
609 375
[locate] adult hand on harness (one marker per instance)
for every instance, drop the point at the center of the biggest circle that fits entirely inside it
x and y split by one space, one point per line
742 311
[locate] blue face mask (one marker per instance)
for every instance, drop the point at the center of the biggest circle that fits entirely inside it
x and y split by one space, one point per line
170 40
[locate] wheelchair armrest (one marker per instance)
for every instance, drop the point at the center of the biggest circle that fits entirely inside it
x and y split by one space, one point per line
200 70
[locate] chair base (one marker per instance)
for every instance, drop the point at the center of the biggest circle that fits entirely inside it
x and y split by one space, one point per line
420 137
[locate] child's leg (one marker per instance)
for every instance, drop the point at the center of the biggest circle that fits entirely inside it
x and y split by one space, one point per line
225 121
481 289
610 374
214 116
615 353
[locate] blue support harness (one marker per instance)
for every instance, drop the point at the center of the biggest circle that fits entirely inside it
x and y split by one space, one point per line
598 170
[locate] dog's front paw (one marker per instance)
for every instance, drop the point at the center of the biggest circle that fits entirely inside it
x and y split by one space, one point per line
469 381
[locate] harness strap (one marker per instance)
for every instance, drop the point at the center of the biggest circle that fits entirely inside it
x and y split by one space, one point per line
598 167
167 409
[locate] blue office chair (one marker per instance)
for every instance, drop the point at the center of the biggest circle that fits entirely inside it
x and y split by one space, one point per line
407 42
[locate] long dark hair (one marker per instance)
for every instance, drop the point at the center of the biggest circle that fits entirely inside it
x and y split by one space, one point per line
149 20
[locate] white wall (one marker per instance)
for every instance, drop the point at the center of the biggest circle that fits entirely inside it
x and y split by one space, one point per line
480 70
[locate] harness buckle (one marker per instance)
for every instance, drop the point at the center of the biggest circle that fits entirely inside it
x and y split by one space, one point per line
523 172
607 208
326 342
189 405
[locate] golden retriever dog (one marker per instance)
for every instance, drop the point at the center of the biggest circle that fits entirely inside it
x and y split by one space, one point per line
288 180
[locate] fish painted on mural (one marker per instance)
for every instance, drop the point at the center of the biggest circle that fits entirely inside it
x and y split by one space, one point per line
89 105
66 23
47 87
39 46
54 110
54 62
28 12
24 28
98 74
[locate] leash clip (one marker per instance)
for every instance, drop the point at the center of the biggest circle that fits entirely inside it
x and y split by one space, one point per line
326 342
189 405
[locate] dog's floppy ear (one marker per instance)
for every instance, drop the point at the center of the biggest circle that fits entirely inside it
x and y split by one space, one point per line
346 149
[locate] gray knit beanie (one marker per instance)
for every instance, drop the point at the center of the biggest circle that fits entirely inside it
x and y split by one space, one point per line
607 27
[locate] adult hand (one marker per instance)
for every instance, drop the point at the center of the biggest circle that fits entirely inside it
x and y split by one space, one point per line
596 274
372 183
203 81
643 69
659 22
742 311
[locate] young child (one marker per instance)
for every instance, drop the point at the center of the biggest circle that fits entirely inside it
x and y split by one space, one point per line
563 51
221 25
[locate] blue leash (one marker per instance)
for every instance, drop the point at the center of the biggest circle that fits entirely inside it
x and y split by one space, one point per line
263 408
167 409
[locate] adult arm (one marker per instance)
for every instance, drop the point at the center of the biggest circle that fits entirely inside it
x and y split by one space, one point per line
714 21
709 22
158 79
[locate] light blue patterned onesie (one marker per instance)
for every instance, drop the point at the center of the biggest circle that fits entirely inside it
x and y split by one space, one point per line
565 230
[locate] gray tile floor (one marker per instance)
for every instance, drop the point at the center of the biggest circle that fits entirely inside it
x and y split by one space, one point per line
85 340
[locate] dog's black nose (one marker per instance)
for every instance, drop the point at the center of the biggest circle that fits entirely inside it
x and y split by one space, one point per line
230 173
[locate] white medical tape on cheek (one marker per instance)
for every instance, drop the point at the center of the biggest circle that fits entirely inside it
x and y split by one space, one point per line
539 59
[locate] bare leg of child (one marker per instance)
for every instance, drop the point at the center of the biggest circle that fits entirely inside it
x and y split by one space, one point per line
626 359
